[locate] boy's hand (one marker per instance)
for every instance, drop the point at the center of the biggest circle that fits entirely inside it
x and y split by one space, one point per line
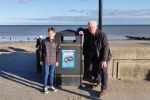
56 64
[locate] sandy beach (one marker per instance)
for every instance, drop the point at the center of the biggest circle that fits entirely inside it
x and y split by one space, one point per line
112 43
19 80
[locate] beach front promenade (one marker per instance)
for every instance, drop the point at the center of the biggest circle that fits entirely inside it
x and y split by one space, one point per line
19 80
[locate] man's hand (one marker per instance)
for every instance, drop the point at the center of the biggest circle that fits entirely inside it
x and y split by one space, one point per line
56 64
81 32
41 63
103 64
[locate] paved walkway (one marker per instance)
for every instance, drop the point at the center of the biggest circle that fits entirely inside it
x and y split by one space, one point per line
19 81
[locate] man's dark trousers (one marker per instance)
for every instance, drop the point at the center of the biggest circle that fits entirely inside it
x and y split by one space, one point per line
100 74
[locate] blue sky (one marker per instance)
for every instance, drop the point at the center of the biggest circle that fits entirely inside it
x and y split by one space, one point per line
73 12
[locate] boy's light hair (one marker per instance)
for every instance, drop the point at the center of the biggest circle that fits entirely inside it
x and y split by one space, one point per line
92 22
51 29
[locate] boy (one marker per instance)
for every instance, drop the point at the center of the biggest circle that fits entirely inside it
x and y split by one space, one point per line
49 56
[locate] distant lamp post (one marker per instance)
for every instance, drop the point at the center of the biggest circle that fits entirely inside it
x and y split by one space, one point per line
100 14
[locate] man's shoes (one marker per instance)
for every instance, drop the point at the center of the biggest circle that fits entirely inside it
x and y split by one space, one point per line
45 90
102 94
98 86
53 89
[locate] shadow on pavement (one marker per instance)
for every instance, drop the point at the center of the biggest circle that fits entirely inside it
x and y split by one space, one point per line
3 50
85 88
148 76
92 93
20 67
16 49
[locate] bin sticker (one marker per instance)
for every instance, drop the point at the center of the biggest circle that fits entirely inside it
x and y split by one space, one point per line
68 58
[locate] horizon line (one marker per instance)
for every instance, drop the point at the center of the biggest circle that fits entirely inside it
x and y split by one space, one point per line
86 24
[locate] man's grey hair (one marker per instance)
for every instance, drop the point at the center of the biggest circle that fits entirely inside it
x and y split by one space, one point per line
92 22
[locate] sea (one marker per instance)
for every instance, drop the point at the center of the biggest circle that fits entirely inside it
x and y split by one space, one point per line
32 32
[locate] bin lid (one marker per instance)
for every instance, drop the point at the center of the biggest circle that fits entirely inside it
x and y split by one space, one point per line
66 32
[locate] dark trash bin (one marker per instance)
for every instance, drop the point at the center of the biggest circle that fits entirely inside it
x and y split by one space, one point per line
70 69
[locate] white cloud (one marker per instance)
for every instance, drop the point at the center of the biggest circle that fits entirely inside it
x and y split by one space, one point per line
13 0
82 11
140 13
65 19
93 13
73 10
23 1
80 20
110 16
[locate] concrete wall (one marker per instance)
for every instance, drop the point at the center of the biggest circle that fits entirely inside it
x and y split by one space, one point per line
129 62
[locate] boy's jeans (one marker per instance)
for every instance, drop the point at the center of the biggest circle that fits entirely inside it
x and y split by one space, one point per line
49 70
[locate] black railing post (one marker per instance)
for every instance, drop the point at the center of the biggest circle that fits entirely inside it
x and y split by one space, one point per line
100 14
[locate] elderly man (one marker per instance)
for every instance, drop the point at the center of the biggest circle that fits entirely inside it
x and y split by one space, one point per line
96 41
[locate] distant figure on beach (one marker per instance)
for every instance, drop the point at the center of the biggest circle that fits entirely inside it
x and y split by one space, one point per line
39 41
3 39
10 39
96 42
28 39
49 56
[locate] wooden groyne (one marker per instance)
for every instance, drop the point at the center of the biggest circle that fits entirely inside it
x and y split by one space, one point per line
137 38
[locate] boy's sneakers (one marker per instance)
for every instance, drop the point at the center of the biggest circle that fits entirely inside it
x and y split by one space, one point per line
53 89
45 90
